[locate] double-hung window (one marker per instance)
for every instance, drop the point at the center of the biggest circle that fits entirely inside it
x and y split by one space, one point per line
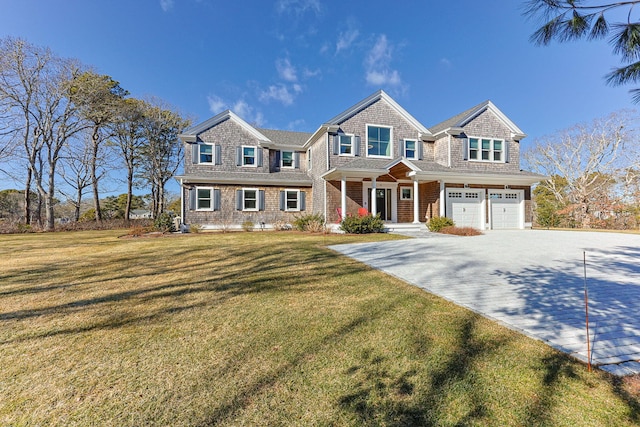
410 149
379 141
287 159
205 199
248 156
346 145
206 153
406 193
486 150
250 199
292 200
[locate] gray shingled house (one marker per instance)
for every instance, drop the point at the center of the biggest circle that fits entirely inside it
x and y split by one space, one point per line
374 158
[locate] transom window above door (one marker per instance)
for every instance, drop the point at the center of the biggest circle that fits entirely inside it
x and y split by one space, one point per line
379 141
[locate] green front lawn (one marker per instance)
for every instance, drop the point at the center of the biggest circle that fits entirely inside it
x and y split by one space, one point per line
262 329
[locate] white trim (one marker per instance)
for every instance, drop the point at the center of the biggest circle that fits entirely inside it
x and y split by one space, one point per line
293 159
416 202
491 150
521 205
391 146
353 139
190 135
366 185
404 187
481 203
415 149
213 153
286 208
257 208
211 208
255 156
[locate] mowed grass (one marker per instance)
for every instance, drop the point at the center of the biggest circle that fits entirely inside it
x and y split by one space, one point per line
262 329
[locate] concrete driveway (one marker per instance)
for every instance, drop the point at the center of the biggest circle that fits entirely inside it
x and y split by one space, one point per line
531 281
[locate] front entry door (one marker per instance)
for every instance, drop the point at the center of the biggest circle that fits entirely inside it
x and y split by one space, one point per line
383 203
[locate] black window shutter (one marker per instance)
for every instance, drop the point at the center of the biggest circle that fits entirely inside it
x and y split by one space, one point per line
259 157
282 201
216 199
303 200
238 156
193 194
336 144
261 200
218 154
356 150
278 160
465 148
296 160
195 154
506 152
239 200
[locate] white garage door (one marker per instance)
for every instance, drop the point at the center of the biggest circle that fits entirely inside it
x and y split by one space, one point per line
465 207
505 210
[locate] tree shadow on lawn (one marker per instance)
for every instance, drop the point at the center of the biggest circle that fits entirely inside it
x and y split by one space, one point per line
244 272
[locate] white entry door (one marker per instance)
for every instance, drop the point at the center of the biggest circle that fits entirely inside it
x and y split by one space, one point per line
505 209
465 207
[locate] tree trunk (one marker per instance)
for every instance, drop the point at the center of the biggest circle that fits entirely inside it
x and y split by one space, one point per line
127 208
95 138
27 198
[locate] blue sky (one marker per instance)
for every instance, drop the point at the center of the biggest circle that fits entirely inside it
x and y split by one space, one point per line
293 64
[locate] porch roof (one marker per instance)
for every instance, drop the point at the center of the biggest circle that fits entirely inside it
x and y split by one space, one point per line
278 178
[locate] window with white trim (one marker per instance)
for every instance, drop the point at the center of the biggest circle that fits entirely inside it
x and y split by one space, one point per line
406 193
206 153
204 199
248 156
249 199
411 149
346 145
292 200
486 150
287 159
379 141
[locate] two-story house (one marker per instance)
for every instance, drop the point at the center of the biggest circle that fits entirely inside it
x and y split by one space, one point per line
374 157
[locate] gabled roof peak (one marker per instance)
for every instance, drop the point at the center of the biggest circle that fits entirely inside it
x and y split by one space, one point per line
190 135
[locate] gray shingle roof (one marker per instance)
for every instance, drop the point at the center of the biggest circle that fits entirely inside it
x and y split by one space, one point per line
456 120
286 137
256 178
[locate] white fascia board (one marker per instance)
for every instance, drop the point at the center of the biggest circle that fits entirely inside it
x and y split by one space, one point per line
191 134
322 129
471 178
404 161
495 110
380 95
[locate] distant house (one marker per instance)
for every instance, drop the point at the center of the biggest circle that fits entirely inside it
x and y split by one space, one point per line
140 214
373 157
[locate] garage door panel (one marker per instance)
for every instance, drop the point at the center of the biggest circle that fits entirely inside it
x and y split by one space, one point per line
465 208
505 210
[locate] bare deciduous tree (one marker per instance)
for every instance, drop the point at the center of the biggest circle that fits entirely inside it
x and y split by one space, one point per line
588 157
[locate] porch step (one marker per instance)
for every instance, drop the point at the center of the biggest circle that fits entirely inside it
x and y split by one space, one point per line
405 227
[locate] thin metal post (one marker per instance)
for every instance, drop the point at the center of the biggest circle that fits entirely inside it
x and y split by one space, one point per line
586 309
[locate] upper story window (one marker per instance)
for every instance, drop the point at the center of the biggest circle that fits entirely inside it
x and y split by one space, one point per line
346 145
248 156
410 148
206 153
287 159
379 141
486 149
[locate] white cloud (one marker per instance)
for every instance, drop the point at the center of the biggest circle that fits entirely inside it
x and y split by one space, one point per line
296 124
346 39
247 113
286 71
378 71
216 104
307 73
445 62
299 7
279 93
166 5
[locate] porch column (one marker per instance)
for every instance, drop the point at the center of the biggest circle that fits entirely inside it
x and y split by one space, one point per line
374 205
442 200
416 203
343 197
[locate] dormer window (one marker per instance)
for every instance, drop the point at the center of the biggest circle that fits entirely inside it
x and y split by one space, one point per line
486 150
